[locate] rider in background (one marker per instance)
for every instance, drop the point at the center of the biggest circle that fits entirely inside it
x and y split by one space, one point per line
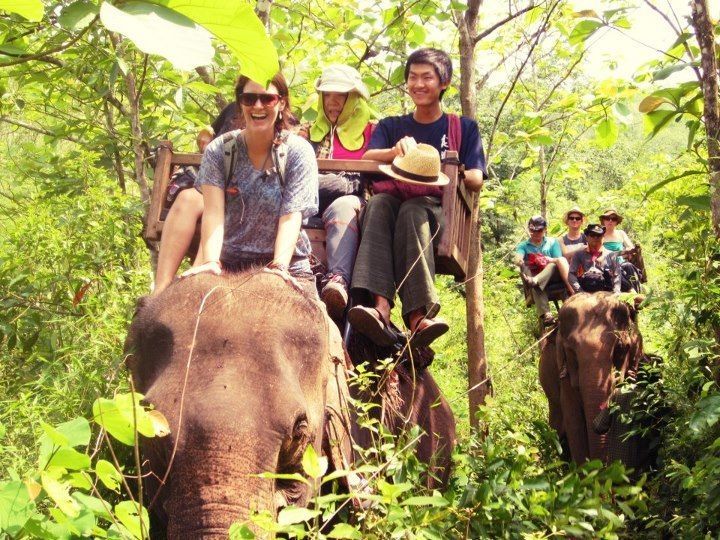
595 268
574 239
617 240
541 262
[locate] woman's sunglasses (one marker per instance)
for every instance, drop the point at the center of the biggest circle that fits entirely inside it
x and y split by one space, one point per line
250 98
574 218
610 218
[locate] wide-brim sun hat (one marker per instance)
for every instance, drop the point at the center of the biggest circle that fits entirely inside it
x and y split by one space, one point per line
611 212
574 210
419 166
343 79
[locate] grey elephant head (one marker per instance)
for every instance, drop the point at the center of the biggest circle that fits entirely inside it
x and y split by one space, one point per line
239 366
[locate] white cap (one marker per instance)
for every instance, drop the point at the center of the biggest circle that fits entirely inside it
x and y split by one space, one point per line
340 78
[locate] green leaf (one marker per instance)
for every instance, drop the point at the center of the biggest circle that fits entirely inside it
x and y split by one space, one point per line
665 72
435 500
417 34
606 133
292 514
650 103
3 431
344 530
77 15
666 181
59 492
69 458
32 10
127 513
655 121
116 416
240 531
108 474
235 23
203 87
313 465
696 202
77 431
158 30
583 30
16 507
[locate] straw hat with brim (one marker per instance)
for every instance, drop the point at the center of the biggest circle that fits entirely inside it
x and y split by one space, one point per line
343 79
611 212
419 166
574 210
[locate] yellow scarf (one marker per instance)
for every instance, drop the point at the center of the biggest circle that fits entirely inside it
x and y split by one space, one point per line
350 124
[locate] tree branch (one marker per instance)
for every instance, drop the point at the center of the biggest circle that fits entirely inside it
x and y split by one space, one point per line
485 33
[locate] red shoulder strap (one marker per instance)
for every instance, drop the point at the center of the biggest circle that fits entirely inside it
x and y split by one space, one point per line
454 132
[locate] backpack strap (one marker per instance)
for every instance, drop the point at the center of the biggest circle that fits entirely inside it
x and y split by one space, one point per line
280 154
230 151
454 132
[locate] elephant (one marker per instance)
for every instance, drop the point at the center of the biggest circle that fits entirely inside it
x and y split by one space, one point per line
245 371
408 395
598 344
550 383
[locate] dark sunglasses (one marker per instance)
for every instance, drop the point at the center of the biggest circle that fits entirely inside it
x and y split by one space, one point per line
574 218
610 218
250 98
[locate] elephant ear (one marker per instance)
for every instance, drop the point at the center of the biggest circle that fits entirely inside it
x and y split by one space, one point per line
337 441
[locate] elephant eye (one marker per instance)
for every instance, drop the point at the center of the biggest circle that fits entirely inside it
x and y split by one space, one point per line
300 428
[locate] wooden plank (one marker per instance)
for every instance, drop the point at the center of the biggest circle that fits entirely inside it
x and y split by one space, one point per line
161 179
349 165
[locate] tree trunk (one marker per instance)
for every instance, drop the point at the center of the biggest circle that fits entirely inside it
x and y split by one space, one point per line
478 380
705 35
262 10
543 181
706 39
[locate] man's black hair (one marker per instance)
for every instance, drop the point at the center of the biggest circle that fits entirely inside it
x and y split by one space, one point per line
438 59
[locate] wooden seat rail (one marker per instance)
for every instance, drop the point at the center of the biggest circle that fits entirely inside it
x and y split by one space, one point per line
451 255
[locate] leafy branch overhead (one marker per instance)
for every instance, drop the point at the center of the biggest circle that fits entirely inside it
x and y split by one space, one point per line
177 30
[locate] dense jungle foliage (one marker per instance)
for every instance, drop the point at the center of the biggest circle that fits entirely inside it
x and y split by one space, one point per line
81 105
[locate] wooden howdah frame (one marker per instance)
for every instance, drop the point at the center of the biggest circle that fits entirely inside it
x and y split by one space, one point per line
451 255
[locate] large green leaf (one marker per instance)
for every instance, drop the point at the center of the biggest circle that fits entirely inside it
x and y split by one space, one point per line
117 417
583 30
155 29
127 513
32 10
666 181
78 15
234 23
606 133
16 507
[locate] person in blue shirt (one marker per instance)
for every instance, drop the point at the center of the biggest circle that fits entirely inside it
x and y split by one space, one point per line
541 261
403 220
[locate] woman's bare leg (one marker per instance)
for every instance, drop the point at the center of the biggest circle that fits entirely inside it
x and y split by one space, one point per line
564 270
178 232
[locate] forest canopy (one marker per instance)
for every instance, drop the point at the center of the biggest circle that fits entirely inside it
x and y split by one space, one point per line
88 90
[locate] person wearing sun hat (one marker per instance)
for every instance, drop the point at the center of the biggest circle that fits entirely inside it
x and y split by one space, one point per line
541 262
403 218
574 239
617 240
341 130
595 268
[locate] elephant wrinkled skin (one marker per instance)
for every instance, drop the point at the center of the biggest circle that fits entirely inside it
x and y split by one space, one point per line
244 393
598 344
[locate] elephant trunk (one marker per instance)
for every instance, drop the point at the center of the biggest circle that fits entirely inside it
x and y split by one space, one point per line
214 487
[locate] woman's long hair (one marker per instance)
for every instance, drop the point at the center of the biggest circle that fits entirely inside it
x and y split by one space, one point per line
285 119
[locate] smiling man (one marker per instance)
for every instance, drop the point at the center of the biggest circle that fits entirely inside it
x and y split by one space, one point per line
403 220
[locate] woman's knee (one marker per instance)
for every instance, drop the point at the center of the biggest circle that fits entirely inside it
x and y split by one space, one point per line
344 209
189 201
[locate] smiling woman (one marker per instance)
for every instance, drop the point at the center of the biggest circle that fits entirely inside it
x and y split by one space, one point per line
253 212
